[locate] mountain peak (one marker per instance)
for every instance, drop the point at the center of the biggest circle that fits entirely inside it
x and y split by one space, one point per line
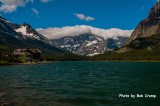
155 11
24 36
26 25
149 26
147 33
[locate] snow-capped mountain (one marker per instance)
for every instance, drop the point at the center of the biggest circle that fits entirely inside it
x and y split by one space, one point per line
25 30
89 44
29 33
86 40
24 36
84 44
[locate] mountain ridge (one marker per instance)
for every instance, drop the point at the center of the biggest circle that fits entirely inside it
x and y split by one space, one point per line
16 39
147 32
89 44
149 26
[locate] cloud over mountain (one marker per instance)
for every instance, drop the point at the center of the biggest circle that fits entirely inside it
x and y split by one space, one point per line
55 33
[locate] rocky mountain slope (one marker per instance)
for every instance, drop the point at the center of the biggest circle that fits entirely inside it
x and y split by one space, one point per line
89 44
149 26
147 33
24 36
144 43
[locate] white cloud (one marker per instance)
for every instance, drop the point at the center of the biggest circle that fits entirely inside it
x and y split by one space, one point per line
45 1
83 17
55 33
9 6
35 11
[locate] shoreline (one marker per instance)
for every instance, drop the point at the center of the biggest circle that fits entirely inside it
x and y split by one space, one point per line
26 63
33 63
45 62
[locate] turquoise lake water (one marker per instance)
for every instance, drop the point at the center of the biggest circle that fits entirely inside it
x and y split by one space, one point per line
81 84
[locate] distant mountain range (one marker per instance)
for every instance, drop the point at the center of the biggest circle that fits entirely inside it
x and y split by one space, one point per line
89 44
145 35
24 36
144 41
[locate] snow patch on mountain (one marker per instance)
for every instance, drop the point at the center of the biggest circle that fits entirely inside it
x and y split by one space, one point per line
93 54
4 20
22 30
90 43
76 45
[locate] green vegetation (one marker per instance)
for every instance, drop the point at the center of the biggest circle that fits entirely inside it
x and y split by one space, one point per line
136 55
64 57
5 57
142 43
142 49
22 59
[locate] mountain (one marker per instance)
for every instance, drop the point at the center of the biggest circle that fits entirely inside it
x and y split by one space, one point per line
24 36
12 25
149 26
115 43
147 33
8 35
29 33
84 44
89 44
144 43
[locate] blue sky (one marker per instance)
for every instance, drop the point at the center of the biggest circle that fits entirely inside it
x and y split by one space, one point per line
123 14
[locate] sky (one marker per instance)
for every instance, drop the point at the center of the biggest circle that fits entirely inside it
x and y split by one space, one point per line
104 14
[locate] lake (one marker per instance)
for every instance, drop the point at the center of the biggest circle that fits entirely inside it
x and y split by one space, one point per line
81 84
